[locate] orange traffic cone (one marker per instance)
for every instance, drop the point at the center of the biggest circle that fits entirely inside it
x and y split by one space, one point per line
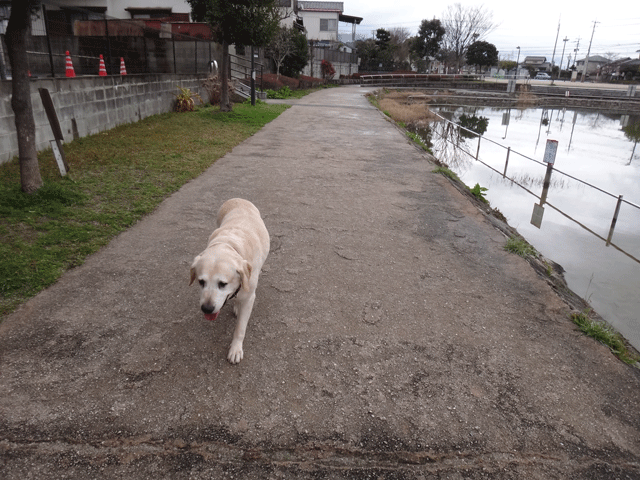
123 69
70 72
103 68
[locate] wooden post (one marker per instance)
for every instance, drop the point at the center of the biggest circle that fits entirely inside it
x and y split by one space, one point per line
53 121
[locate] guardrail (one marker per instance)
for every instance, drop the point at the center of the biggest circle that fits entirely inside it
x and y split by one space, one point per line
508 152
402 79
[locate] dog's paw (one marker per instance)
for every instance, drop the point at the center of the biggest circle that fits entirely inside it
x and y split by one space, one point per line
235 353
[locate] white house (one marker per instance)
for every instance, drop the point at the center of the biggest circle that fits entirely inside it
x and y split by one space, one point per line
320 19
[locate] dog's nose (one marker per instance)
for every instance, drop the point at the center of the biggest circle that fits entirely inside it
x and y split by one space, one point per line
207 309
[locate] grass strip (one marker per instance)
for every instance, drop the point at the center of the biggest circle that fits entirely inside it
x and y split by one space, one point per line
116 178
606 335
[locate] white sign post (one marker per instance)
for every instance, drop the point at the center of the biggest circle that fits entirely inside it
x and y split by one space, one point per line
58 157
549 158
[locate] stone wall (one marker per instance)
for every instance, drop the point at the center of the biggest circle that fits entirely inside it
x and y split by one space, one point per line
88 105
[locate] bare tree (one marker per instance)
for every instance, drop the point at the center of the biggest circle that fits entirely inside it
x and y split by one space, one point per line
463 26
16 37
400 38
280 47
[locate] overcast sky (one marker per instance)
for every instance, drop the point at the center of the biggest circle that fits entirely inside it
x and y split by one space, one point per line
531 25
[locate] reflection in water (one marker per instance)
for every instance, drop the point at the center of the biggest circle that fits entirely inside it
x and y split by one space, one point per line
596 149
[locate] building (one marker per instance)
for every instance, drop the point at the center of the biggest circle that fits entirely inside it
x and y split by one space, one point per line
320 20
176 10
536 64
594 66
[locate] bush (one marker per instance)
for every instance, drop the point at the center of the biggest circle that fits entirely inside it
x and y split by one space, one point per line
213 87
184 100
327 70
284 92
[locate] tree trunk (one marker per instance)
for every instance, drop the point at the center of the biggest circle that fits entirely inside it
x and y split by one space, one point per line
16 40
225 102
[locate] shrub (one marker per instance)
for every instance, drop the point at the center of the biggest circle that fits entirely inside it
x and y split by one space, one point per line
184 100
213 87
327 70
284 92
478 192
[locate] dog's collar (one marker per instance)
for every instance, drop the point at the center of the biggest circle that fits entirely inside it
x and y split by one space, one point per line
236 292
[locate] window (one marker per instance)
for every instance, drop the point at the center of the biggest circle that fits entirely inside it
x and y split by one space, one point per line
328 25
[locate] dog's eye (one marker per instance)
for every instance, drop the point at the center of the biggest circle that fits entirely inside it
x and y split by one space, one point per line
202 282
221 285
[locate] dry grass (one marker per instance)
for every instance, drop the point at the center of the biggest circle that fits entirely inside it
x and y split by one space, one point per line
399 107
527 99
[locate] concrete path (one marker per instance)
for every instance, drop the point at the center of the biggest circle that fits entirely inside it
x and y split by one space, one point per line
392 336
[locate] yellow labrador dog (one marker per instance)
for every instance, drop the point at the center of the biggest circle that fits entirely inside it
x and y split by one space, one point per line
230 266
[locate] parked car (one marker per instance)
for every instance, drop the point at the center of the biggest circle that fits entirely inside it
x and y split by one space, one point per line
542 76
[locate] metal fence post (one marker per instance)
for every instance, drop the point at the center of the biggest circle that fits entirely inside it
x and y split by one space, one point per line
46 32
506 164
614 220
175 67
106 32
478 151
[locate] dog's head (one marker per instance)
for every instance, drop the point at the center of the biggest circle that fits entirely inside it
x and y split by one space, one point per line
221 273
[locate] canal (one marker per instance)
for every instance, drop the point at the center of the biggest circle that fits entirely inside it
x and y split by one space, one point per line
594 150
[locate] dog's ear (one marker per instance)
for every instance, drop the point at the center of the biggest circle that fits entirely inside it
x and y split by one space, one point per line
245 274
193 269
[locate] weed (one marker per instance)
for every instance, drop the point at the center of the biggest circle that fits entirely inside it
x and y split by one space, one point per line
605 335
519 246
418 140
117 177
478 192
281 93
447 173
499 215
184 100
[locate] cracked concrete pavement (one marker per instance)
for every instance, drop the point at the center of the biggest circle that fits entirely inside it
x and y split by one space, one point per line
392 336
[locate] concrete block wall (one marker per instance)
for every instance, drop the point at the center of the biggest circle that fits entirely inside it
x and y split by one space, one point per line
88 105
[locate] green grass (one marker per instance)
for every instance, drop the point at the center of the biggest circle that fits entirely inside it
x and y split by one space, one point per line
116 177
418 141
605 335
519 246
447 173
285 92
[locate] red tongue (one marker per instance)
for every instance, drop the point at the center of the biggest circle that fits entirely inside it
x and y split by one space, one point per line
211 316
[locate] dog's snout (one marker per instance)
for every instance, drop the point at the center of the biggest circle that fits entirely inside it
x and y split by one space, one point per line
207 308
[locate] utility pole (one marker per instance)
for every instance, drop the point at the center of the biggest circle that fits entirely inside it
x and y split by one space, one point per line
553 57
565 40
575 59
586 62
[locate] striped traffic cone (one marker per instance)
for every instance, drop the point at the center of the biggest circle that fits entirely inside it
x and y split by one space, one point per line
123 69
103 68
70 72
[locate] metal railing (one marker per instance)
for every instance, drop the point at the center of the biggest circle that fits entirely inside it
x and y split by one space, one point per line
508 152
414 79
240 70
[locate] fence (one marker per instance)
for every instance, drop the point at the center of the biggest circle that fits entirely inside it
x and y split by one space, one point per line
344 63
147 46
509 152
400 80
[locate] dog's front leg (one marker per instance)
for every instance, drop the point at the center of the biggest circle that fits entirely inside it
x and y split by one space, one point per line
243 308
